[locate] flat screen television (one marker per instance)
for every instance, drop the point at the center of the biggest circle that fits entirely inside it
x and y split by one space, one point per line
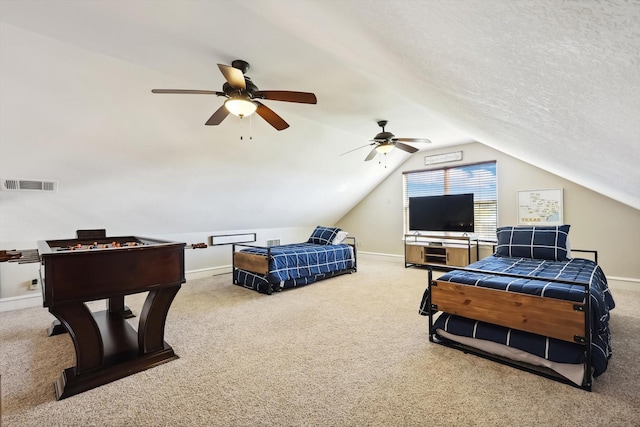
442 213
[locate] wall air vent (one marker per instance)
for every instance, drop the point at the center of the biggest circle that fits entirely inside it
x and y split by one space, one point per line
273 242
9 184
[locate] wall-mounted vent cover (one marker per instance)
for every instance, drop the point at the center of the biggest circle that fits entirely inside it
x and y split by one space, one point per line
273 242
9 184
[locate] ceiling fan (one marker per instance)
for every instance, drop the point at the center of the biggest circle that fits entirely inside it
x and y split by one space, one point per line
385 141
243 95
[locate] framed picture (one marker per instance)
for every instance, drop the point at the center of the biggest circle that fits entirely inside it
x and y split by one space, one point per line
540 207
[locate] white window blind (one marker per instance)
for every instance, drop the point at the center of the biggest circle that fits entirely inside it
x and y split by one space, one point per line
479 179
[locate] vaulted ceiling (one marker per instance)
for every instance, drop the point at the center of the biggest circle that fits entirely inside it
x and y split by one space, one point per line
553 83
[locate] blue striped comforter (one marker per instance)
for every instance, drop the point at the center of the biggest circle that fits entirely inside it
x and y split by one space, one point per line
305 260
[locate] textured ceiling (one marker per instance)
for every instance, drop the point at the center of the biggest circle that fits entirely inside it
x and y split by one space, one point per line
553 83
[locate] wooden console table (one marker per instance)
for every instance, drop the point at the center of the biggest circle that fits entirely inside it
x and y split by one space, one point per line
435 250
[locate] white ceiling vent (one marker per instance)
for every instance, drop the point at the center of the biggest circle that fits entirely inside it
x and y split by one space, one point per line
9 184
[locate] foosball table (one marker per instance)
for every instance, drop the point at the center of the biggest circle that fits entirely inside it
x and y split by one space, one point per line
75 271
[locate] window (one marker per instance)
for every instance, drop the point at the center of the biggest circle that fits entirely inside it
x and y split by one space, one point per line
479 179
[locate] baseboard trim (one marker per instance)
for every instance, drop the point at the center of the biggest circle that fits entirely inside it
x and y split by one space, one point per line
22 301
623 283
206 272
35 300
388 257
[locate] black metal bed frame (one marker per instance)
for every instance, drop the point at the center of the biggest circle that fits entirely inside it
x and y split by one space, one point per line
351 242
587 380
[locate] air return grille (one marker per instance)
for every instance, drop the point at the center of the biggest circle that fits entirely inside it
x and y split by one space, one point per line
273 242
9 184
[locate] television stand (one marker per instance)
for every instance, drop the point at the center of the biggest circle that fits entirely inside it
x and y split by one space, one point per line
440 250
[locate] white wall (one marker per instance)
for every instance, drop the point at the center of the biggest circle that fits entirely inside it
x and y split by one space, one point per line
136 162
597 222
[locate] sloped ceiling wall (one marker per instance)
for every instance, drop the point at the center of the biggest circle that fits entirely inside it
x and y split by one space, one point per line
553 83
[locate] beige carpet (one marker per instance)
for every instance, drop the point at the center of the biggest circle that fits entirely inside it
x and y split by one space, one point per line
348 351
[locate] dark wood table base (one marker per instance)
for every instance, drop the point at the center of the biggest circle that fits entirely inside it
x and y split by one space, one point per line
107 347
114 305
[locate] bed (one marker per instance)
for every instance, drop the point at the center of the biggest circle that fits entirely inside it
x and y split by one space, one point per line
328 252
530 305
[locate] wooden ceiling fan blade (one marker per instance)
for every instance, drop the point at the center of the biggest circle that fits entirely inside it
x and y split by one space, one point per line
412 140
346 152
217 117
287 96
271 117
234 76
371 155
405 147
188 91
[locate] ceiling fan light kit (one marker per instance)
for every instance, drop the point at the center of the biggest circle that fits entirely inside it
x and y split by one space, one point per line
385 141
240 106
242 96
384 148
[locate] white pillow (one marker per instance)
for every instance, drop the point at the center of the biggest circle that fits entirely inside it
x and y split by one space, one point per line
340 237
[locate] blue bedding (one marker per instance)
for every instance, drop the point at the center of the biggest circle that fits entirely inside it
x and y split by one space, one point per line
543 273
297 264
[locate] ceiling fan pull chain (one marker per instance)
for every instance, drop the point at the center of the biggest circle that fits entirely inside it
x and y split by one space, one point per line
241 129
250 128
381 157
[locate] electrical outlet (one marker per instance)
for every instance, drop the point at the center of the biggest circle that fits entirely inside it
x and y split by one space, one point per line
34 285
